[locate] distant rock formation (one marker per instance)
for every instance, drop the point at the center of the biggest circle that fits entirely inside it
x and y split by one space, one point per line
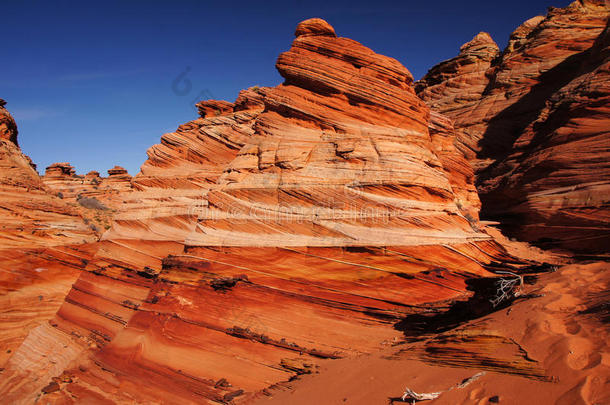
97 198
60 170
533 120
8 127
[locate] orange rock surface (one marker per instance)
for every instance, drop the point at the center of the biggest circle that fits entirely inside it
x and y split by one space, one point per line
455 87
326 218
38 234
300 222
545 350
534 122
8 127
96 198
62 178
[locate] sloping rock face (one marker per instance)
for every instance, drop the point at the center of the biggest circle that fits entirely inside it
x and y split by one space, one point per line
559 169
538 133
38 231
300 222
31 216
455 88
456 166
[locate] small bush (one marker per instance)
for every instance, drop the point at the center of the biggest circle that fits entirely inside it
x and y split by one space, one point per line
91 203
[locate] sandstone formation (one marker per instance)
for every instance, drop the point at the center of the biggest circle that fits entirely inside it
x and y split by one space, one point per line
558 173
455 165
539 351
30 215
455 87
62 178
96 198
8 128
534 122
327 218
38 234
298 223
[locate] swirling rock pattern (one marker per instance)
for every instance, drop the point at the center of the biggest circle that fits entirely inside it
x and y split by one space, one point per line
300 222
535 125
39 232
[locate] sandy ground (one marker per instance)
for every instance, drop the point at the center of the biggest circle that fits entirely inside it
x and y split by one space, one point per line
548 348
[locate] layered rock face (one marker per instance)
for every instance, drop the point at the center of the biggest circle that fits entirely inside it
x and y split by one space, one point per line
537 133
559 170
118 179
325 165
62 178
96 198
455 88
456 167
300 222
38 231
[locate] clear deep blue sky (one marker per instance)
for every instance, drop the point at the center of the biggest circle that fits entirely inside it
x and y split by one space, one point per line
90 82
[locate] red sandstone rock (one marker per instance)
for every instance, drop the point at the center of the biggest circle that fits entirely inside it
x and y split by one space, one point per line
556 181
38 260
456 166
117 171
60 170
8 128
119 180
455 87
304 222
537 50
535 126
301 222
31 215
313 27
210 108
96 198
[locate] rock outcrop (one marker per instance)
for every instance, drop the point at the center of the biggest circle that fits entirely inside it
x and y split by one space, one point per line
62 179
455 88
39 232
30 215
96 198
535 126
8 127
301 222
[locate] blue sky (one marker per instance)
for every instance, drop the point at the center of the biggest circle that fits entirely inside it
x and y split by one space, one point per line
91 82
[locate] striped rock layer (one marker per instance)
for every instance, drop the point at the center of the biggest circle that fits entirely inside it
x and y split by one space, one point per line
300 222
43 244
96 198
534 121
